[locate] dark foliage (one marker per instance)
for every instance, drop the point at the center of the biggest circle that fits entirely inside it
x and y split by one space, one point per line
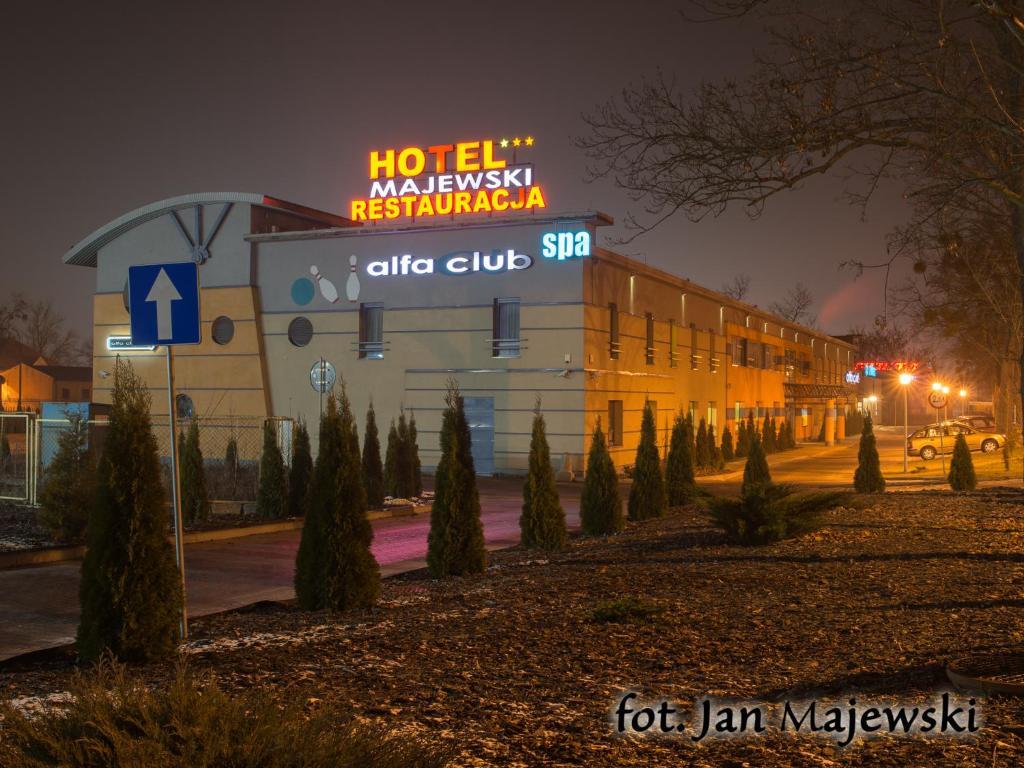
600 503
542 522
961 468
113 720
647 492
728 452
373 469
765 513
272 493
301 471
755 471
195 499
69 493
130 590
679 475
455 545
868 476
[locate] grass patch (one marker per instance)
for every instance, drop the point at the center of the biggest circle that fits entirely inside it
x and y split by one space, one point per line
115 721
627 610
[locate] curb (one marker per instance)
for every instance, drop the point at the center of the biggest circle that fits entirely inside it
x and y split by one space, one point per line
51 555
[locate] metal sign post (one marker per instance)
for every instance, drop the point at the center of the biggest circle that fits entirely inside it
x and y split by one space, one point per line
937 400
163 302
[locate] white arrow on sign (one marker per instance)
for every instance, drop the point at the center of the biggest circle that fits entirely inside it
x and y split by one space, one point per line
163 293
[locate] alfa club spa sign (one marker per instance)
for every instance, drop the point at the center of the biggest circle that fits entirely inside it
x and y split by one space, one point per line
448 180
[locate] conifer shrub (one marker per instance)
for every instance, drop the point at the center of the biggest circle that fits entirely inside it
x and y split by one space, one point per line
272 492
767 436
728 452
961 468
414 456
702 457
680 485
334 567
130 590
231 467
542 522
455 545
373 469
402 474
68 495
112 719
600 503
867 478
742 440
717 459
766 512
195 498
301 470
755 471
391 459
647 492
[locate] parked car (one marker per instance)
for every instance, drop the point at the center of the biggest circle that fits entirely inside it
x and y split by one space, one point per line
979 421
928 441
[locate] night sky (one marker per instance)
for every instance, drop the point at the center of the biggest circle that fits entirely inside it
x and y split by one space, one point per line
110 106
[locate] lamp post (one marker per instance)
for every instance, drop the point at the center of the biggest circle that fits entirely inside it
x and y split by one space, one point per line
963 403
939 387
905 379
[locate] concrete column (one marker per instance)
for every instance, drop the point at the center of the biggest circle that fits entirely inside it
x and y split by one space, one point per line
840 425
830 422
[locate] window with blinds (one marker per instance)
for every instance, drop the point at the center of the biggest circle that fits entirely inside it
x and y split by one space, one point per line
505 335
371 331
649 348
614 422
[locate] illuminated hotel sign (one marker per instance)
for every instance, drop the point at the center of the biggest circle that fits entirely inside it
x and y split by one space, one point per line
565 245
448 180
456 263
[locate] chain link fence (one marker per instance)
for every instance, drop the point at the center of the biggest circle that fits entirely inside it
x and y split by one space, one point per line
231 449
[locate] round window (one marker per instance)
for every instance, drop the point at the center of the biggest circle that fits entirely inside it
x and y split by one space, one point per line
184 406
223 330
300 331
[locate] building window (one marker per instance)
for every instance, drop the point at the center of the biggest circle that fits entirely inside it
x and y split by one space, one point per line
673 343
371 331
505 341
649 349
613 331
694 405
737 412
712 414
694 357
86 394
65 394
184 406
223 330
614 422
300 331
739 351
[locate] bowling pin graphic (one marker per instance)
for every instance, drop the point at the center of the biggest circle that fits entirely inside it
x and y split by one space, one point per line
352 284
327 289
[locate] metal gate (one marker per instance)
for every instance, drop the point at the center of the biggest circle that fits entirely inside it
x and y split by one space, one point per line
16 451
480 415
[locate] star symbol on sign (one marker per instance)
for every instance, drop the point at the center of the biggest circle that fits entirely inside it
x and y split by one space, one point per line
516 141
503 143
529 141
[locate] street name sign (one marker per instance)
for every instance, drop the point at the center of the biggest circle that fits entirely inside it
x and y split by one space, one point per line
163 301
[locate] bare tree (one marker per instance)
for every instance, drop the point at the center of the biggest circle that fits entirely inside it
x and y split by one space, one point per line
796 307
36 324
927 92
738 287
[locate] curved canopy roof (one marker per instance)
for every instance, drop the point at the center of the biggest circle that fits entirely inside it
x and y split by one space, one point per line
84 252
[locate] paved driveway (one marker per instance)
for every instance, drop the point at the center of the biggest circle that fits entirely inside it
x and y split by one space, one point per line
39 606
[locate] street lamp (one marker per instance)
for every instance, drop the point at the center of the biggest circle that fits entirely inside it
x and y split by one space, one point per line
905 379
963 402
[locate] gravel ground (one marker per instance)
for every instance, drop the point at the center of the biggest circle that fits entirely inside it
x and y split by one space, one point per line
19 529
512 668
